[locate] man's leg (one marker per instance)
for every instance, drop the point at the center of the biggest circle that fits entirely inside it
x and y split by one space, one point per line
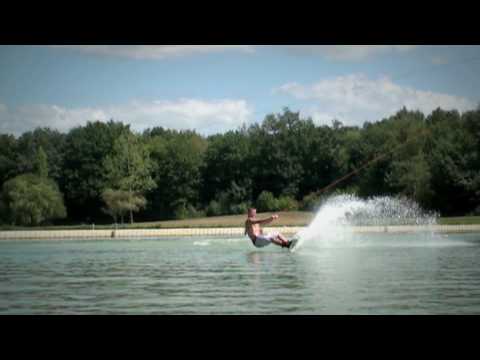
281 240
277 241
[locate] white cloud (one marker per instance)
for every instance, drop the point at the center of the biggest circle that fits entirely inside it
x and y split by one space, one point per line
206 117
332 52
155 51
350 52
439 60
354 99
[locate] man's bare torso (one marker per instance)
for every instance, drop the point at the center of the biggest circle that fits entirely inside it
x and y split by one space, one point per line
253 230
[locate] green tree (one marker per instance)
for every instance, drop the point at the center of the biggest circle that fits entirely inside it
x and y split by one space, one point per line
455 160
320 157
266 202
399 138
311 202
471 146
412 178
8 157
214 208
32 200
349 153
287 203
83 177
226 162
41 164
128 168
434 160
52 143
275 160
449 151
177 158
232 201
119 202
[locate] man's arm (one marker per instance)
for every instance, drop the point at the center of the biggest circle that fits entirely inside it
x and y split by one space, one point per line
264 221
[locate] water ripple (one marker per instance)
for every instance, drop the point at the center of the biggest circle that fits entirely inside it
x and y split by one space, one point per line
173 276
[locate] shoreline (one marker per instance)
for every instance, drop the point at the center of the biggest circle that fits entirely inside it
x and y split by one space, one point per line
232 231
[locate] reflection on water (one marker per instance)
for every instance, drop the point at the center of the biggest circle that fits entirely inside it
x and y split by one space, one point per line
381 274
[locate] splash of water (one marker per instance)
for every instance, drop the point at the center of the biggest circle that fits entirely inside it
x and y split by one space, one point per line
338 215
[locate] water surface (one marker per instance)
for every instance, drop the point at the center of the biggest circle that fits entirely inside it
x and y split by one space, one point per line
374 274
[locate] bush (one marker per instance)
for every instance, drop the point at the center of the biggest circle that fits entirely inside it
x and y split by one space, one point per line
232 201
120 203
214 208
287 203
200 214
180 212
223 207
239 208
350 190
311 202
267 202
224 201
3 211
31 200
475 212
187 211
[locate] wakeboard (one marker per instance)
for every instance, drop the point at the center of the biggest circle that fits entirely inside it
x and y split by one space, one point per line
294 243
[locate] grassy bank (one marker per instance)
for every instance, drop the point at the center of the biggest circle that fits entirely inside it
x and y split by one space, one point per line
292 218
462 220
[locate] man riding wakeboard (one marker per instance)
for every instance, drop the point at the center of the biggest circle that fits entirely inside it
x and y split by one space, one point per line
255 232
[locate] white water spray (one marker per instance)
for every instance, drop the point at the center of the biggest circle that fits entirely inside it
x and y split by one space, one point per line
338 215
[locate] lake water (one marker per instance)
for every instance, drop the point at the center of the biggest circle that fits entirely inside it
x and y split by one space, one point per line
374 274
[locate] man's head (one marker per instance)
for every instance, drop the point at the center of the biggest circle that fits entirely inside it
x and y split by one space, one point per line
252 212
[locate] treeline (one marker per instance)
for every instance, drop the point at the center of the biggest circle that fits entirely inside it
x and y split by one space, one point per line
103 171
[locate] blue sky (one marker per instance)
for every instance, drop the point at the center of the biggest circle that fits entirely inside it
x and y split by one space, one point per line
217 88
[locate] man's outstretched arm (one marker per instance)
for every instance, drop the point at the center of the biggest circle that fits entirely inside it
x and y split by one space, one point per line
264 221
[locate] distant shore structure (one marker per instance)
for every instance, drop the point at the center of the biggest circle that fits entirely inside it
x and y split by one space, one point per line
231 231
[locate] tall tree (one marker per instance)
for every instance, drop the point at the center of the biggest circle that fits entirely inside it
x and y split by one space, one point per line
412 178
128 168
226 163
320 157
119 202
83 172
471 147
275 156
178 158
448 158
32 200
8 157
41 163
52 143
